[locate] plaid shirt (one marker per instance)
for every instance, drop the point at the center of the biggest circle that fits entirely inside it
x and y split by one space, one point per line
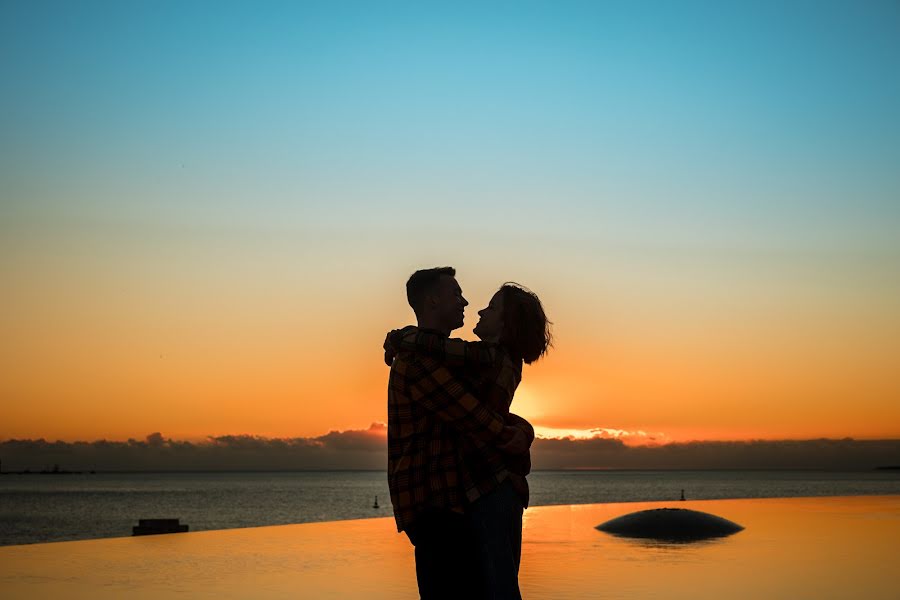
493 376
429 411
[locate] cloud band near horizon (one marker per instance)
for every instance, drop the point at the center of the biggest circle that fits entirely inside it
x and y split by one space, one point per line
365 450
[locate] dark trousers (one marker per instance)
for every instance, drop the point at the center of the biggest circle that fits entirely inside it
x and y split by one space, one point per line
447 558
496 520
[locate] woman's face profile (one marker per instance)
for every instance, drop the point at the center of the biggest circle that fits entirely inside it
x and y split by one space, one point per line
490 325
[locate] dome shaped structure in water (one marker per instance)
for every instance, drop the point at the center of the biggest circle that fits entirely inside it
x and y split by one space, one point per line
675 524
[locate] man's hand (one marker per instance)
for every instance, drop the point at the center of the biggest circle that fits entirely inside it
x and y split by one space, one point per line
513 441
519 422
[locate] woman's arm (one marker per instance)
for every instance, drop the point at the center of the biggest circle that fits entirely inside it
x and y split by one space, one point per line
453 352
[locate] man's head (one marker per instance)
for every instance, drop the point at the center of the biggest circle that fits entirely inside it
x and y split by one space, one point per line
436 298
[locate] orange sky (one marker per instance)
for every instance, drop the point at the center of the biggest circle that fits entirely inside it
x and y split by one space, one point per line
113 346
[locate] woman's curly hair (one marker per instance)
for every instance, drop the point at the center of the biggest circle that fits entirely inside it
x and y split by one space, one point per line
526 329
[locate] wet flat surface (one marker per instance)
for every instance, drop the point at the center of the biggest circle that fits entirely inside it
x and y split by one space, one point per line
836 547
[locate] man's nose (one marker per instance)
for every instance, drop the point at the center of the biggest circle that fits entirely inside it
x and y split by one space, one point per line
465 302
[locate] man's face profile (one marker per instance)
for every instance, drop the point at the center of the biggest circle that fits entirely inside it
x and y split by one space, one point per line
449 302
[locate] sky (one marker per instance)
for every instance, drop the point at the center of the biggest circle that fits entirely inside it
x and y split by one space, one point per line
208 211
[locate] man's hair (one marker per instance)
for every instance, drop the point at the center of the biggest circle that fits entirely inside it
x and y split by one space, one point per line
526 329
420 284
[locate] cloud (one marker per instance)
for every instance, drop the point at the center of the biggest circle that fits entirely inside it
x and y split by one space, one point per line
634 437
355 449
605 453
366 449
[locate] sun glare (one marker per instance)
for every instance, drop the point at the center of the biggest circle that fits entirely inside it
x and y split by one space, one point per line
637 437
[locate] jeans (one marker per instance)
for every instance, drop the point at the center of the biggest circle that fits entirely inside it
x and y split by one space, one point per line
497 523
447 566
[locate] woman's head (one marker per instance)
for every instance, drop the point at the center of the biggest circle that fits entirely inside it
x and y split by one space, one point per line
516 319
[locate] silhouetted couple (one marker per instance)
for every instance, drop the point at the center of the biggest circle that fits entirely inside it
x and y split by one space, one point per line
457 458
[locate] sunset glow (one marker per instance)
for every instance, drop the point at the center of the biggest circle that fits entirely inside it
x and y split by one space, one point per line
206 223
629 437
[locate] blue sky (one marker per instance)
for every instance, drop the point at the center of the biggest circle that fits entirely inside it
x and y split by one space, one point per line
741 112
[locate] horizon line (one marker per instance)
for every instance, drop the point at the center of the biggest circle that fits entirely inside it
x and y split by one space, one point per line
578 469
375 432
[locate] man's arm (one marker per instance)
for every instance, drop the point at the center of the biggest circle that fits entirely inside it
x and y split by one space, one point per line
453 352
447 398
520 464
516 421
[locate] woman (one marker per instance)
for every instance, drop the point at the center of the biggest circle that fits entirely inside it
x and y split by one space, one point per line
514 329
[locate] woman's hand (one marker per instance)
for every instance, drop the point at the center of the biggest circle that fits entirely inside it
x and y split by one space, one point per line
392 343
389 349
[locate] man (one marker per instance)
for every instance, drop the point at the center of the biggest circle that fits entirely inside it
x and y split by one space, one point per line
429 411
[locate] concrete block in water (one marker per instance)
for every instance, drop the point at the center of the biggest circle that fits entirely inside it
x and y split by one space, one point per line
678 524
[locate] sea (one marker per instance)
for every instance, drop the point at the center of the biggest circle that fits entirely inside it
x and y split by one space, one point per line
39 508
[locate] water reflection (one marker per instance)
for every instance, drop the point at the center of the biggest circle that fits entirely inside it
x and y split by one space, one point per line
673 545
791 548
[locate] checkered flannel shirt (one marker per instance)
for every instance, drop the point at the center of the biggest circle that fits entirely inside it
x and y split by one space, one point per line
429 411
492 375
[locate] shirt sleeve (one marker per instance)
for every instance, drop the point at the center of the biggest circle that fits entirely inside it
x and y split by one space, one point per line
453 352
520 422
440 393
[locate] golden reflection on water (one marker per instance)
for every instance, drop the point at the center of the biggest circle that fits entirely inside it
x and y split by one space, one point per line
791 548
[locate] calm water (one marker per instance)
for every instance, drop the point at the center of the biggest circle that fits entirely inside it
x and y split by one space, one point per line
791 548
45 508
